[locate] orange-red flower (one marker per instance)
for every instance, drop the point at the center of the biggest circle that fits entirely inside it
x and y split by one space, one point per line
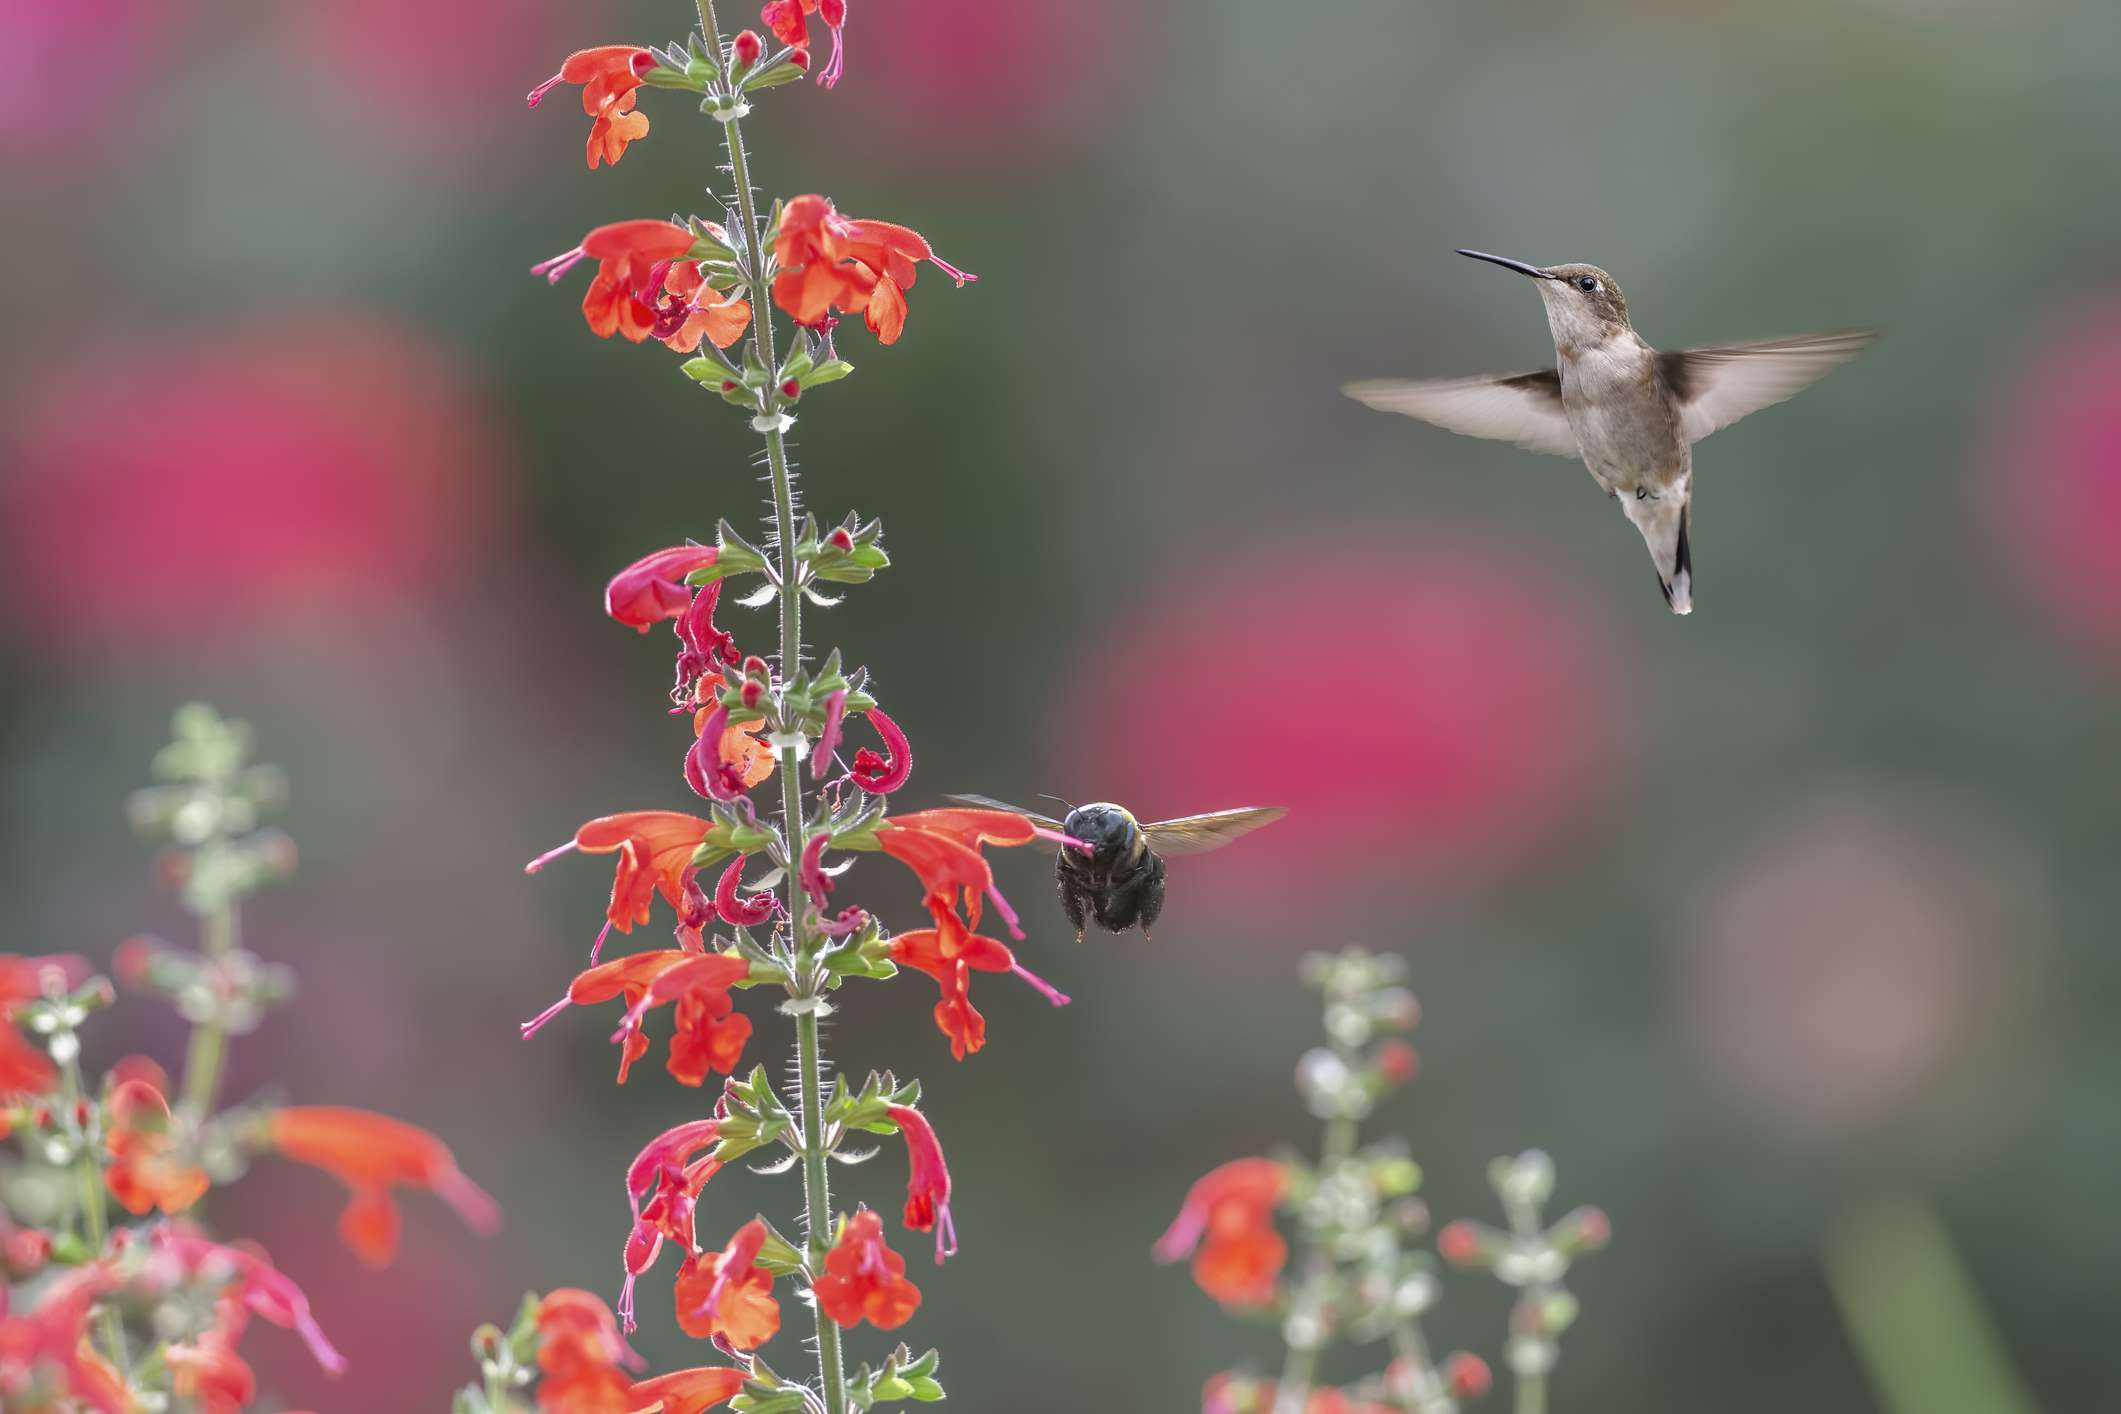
1228 1217
689 1391
789 23
729 1295
580 1354
726 760
609 76
942 847
830 261
655 855
690 310
145 1172
710 1033
864 1279
47 1349
371 1154
951 954
927 1180
633 258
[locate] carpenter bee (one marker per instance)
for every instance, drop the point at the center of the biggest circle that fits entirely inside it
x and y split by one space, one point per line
1120 882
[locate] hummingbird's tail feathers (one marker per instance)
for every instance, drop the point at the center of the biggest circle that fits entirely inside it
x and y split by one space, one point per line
1664 528
1679 593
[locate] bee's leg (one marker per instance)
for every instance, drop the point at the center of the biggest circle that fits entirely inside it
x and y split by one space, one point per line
1071 893
1152 894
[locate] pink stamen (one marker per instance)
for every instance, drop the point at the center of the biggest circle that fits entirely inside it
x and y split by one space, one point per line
547 857
626 1321
1064 841
1045 989
531 1027
963 277
473 1203
828 740
537 94
598 946
1182 1237
837 64
559 265
945 1233
1001 906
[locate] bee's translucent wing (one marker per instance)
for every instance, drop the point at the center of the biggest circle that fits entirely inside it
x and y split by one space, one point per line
988 802
1197 834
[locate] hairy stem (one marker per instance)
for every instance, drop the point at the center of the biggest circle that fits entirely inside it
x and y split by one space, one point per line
1300 1369
209 1038
817 1194
1531 1383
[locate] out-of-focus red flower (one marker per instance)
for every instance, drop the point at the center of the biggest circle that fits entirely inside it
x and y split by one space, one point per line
689 1391
208 1371
394 58
653 588
1227 1227
1840 963
829 261
789 23
244 478
2056 490
710 1033
580 1356
950 954
47 1347
45 49
24 1068
633 258
145 1172
655 854
663 1186
927 1180
729 1296
1487 717
864 1280
251 1279
610 76
372 1154
1239 1394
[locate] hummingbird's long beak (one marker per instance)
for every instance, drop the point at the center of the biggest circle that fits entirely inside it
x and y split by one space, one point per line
1518 265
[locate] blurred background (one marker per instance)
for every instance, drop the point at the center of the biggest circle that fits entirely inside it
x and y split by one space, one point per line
1786 928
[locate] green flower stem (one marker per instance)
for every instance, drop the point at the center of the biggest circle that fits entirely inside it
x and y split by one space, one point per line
209 1039
817 1194
1531 1385
95 1216
1300 1368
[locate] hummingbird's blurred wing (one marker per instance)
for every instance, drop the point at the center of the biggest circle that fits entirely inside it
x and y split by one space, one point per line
1524 408
1716 386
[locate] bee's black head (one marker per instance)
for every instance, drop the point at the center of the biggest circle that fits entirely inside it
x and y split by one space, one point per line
1106 826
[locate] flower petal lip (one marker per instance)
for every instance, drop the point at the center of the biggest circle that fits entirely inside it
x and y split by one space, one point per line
371 1154
652 588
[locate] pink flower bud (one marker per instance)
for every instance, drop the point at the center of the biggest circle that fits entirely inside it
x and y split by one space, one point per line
1397 1062
791 389
753 692
746 49
1459 1244
1467 1376
841 541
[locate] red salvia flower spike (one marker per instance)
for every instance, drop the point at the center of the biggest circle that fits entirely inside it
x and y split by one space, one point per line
928 1181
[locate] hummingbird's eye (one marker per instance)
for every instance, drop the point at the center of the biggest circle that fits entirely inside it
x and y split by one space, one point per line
1586 284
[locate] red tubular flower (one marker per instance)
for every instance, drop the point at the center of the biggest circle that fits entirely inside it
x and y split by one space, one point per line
653 588
828 739
703 649
730 1296
942 847
24 1068
144 1173
655 854
810 873
864 1279
689 1391
372 1154
736 910
210 1375
609 77
949 954
880 775
580 1353
632 259
725 761
262 1288
47 1348
1232 1208
787 20
665 1166
830 261
710 1034
928 1181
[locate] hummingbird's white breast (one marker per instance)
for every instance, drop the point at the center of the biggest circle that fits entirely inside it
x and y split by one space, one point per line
1624 421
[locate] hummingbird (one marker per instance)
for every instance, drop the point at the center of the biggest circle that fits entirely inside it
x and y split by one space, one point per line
1631 413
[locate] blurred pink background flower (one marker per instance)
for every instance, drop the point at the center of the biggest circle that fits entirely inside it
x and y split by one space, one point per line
238 478
2055 489
1422 708
52 46
1833 969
